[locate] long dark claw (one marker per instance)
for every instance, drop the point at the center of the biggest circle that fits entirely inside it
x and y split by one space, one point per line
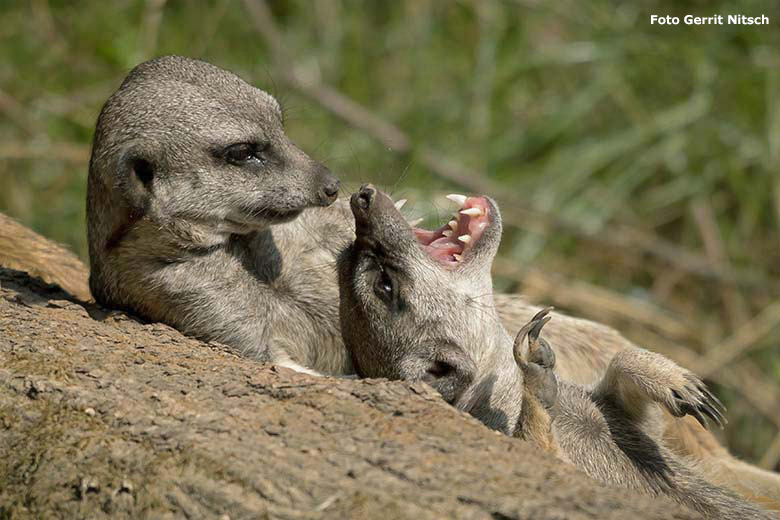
520 338
712 398
705 405
714 414
699 417
542 313
711 405
533 334
523 332
532 329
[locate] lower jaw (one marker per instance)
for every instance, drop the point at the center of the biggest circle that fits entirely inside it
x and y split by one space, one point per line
279 218
268 219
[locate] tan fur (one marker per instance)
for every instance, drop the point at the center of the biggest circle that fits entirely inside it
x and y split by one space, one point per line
25 250
406 315
194 201
537 426
584 349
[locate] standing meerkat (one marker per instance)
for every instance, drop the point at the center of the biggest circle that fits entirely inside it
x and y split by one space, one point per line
203 215
417 305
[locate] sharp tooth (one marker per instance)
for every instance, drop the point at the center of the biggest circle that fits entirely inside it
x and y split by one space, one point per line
460 200
465 238
472 212
458 258
414 222
447 233
453 224
400 204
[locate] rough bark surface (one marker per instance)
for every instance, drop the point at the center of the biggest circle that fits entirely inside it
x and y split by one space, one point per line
104 416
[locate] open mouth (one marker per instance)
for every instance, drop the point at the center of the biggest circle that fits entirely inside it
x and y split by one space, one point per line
450 243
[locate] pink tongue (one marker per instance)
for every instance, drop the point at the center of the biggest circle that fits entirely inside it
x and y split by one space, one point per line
444 246
442 243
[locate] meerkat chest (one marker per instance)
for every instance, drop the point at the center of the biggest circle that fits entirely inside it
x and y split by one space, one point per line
303 301
305 318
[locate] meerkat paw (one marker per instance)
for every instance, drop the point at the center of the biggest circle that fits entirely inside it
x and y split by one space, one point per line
638 372
537 360
694 398
538 351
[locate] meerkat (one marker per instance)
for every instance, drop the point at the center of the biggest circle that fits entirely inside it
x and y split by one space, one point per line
203 215
194 208
418 305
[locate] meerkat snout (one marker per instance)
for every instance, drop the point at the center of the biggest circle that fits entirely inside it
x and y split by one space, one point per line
330 186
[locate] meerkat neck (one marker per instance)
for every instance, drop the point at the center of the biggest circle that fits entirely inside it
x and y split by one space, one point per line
493 399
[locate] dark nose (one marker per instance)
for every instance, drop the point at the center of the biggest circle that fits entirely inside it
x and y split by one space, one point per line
330 187
365 196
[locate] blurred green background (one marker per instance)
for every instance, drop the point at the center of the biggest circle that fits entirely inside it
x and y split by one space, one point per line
636 164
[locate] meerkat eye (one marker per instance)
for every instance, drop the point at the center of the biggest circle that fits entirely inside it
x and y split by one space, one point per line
242 153
384 286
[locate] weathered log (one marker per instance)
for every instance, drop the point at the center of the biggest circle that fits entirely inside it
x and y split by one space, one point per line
24 249
104 416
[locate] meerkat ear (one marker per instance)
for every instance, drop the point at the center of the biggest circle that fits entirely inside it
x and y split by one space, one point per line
143 170
136 173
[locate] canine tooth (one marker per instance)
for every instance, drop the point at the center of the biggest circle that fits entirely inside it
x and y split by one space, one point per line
400 204
453 224
414 222
460 200
447 233
457 257
465 238
472 212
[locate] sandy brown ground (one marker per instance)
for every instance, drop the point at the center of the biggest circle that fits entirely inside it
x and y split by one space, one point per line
103 416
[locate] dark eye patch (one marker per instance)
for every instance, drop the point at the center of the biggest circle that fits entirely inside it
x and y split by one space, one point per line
384 286
240 154
385 277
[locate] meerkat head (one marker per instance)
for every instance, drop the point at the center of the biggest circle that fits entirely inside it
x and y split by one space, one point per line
418 304
197 152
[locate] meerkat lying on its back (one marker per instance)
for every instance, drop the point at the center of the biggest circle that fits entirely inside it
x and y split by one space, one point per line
417 305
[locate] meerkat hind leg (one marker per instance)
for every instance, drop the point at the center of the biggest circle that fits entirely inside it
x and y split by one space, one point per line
636 378
540 386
